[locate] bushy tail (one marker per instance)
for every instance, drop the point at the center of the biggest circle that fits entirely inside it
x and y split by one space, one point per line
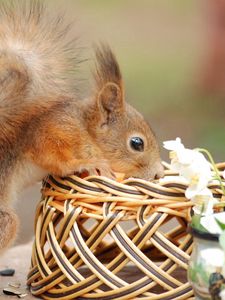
36 52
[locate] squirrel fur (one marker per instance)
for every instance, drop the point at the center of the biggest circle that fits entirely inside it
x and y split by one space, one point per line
45 127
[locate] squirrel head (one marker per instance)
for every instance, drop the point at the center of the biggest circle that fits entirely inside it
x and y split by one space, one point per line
120 131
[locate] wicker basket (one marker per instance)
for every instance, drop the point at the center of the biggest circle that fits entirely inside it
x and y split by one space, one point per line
97 238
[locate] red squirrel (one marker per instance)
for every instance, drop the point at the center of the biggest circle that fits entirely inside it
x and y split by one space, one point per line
45 127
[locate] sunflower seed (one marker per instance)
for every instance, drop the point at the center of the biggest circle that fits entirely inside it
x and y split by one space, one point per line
22 295
14 284
11 291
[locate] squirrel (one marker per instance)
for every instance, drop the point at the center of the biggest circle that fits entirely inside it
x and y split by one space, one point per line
44 127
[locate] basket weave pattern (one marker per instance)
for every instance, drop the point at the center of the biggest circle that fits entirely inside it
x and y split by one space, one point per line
92 233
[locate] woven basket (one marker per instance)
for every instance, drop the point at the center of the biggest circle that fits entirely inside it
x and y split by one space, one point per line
97 238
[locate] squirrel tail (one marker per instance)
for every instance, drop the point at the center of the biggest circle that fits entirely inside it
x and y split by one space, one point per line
36 52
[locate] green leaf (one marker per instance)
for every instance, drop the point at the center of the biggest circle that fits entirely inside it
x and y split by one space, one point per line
197 273
195 223
221 225
222 240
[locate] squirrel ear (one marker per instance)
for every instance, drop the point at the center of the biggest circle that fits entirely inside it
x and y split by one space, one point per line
110 99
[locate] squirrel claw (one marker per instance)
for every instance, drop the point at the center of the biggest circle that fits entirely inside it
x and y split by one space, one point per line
106 172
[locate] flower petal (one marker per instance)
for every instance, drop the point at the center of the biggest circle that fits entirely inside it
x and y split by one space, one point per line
222 294
173 145
204 202
213 256
223 174
210 224
198 189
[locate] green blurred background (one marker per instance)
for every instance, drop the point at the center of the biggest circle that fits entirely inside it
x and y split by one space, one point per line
160 45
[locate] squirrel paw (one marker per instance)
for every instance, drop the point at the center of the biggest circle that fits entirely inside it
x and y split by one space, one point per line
98 168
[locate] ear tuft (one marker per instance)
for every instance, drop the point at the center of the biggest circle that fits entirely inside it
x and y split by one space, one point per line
107 67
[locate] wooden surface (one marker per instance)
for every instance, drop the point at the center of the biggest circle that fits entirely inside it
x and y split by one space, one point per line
18 258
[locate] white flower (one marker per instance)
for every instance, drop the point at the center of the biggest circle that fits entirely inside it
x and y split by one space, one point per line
173 144
198 166
222 294
197 184
212 256
210 224
190 164
204 202
178 153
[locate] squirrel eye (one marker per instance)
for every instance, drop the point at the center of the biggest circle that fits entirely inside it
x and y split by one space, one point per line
137 144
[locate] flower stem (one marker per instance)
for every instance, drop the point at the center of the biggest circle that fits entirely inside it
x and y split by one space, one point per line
214 167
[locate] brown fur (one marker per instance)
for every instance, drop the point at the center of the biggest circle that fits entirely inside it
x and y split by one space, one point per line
9 224
44 128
